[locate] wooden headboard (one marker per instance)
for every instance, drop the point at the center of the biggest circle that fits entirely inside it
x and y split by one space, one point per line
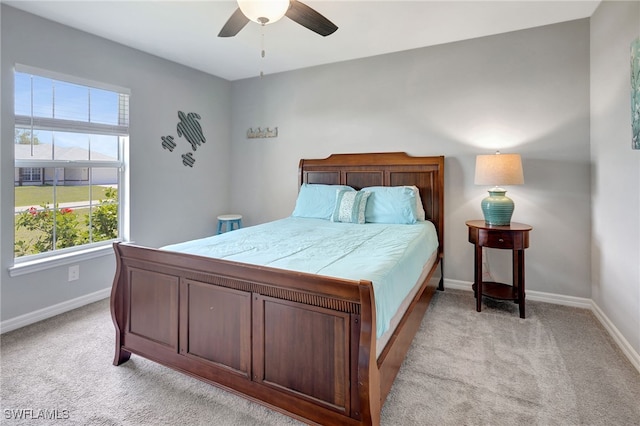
384 169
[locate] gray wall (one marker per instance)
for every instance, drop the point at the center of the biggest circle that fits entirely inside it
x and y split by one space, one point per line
525 92
615 247
169 202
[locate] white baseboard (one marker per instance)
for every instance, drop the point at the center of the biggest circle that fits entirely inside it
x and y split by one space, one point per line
457 285
576 302
51 311
538 296
615 334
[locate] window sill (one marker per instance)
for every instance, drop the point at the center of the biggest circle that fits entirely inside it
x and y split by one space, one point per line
37 265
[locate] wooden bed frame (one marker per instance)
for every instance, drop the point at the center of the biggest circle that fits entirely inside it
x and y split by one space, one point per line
301 344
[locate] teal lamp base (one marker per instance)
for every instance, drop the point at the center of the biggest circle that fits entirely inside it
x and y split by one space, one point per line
497 208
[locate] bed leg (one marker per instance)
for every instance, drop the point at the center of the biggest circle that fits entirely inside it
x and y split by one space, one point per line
441 284
121 356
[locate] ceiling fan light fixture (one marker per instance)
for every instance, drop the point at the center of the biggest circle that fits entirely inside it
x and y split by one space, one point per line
264 11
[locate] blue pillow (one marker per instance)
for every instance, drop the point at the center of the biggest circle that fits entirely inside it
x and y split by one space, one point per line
350 206
391 204
317 201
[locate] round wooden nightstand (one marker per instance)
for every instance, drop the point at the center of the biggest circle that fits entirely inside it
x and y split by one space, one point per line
513 237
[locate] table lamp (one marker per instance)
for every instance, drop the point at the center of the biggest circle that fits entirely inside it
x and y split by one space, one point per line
498 169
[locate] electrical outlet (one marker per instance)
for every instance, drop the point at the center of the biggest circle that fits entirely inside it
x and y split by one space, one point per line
74 272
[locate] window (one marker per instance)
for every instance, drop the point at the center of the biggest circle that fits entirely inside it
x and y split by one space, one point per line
70 141
30 174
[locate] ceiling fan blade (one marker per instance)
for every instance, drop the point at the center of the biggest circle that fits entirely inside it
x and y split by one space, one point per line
309 18
236 22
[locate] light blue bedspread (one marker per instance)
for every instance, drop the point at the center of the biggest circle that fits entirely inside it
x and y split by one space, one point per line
390 256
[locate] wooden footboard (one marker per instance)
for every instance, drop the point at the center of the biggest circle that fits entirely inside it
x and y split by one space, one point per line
300 343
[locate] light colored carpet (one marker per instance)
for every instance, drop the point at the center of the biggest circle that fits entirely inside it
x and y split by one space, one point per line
557 367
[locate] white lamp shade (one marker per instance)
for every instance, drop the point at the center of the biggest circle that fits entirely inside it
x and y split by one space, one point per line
499 169
264 11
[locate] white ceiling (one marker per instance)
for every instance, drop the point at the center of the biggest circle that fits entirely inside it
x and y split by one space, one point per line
186 31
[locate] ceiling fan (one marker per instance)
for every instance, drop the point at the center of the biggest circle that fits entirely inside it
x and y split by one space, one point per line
269 11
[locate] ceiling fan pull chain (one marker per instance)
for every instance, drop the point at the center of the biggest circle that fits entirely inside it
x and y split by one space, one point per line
262 54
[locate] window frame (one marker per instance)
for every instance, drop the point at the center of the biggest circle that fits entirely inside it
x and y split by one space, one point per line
45 260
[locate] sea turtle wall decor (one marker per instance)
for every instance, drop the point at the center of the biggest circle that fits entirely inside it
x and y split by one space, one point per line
189 128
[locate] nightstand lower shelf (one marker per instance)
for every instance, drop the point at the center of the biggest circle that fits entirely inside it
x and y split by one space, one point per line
498 291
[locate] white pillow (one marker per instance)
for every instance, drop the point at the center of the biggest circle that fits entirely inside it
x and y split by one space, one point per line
420 214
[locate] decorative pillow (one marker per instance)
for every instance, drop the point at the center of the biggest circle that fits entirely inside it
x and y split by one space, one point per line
420 214
317 200
391 204
350 206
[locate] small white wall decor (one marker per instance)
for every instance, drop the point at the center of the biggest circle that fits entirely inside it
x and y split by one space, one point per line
260 133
